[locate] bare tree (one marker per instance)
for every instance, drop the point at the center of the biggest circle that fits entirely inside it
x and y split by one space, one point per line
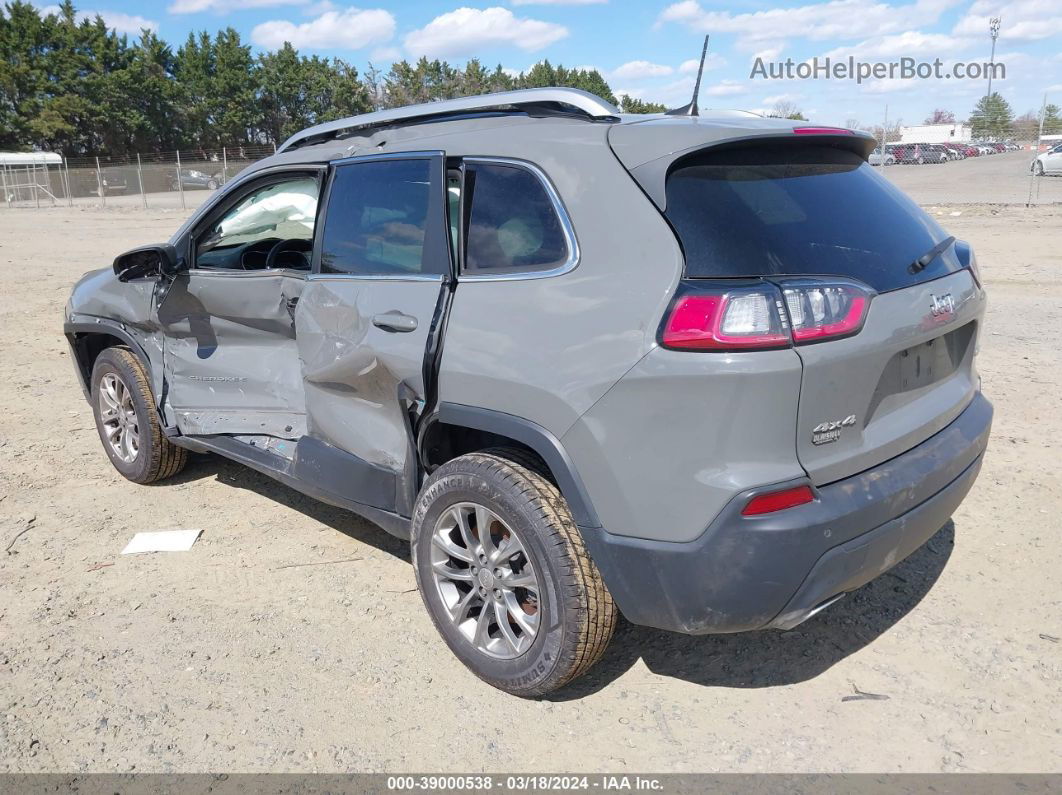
784 109
940 116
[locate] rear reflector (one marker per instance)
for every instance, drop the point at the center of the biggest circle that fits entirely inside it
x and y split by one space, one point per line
778 501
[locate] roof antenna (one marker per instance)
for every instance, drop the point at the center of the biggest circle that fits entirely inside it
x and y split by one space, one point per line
691 108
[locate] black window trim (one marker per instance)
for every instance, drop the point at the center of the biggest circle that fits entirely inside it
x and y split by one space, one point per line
238 192
567 229
315 273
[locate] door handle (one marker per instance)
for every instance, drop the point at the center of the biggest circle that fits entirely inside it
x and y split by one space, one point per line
395 321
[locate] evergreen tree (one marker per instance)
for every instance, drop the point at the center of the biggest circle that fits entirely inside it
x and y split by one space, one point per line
70 84
992 118
1052 120
629 104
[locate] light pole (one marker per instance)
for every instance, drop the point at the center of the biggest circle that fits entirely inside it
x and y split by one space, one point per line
993 31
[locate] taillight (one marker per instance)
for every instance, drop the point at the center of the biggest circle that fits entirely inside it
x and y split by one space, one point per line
726 320
821 310
763 316
975 269
778 501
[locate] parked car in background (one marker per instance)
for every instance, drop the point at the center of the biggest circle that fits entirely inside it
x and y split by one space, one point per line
875 158
756 405
955 152
1049 162
112 183
969 150
191 179
936 153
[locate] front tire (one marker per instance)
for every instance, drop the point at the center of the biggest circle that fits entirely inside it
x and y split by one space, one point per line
522 605
127 421
1038 169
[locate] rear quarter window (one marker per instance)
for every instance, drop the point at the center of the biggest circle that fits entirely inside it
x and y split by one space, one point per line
512 222
798 211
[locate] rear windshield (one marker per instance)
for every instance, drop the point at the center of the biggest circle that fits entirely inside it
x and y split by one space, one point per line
773 211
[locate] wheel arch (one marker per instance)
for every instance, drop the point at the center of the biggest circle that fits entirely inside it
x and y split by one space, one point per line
89 340
456 429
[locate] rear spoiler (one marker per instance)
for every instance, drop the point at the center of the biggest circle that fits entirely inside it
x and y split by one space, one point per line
649 154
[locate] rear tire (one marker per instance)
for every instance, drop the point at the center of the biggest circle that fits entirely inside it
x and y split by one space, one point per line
127 422
535 638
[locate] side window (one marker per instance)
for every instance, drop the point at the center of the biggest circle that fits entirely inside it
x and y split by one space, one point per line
381 220
278 212
512 223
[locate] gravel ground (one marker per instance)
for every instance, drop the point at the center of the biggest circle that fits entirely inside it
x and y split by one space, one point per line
290 637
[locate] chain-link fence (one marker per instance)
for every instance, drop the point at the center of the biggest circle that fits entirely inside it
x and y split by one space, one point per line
974 172
175 180
1016 172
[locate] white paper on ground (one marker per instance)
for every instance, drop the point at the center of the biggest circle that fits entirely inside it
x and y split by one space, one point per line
162 541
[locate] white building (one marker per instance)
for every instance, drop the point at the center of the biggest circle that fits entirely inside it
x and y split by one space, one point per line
22 159
936 134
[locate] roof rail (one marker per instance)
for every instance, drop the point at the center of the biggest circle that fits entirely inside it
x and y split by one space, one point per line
554 100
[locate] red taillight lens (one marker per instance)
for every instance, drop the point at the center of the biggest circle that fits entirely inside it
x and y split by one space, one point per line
726 320
975 269
767 315
822 310
778 501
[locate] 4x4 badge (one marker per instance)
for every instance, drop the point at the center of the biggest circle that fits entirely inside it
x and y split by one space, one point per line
830 431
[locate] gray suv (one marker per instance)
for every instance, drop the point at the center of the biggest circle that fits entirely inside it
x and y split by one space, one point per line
711 373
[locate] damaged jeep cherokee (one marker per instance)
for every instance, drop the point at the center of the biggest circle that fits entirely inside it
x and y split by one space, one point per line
708 372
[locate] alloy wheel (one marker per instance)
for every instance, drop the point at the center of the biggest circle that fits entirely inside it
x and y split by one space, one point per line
118 417
485 580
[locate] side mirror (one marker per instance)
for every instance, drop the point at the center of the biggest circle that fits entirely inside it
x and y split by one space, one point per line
148 262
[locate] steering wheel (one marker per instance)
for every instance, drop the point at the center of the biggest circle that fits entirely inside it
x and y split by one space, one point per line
293 245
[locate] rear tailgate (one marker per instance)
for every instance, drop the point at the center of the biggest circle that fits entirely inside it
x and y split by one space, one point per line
786 209
904 377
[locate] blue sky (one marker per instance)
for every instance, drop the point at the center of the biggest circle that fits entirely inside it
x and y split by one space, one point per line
647 47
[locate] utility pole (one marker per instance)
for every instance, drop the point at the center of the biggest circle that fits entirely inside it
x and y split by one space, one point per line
993 31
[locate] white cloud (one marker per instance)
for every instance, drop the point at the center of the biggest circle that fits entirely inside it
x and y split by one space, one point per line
467 31
125 23
891 85
224 6
727 88
1022 20
774 100
912 43
115 20
837 19
713 61
639 70
351 29
769 53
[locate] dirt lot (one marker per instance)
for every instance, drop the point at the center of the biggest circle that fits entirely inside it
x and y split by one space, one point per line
238 656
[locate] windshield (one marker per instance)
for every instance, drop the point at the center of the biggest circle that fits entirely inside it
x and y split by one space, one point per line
799 210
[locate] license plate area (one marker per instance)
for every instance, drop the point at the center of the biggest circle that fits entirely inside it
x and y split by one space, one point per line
922 364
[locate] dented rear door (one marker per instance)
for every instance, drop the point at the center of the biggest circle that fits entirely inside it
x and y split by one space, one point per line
366 321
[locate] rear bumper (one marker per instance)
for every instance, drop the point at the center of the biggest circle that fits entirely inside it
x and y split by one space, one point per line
776 570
